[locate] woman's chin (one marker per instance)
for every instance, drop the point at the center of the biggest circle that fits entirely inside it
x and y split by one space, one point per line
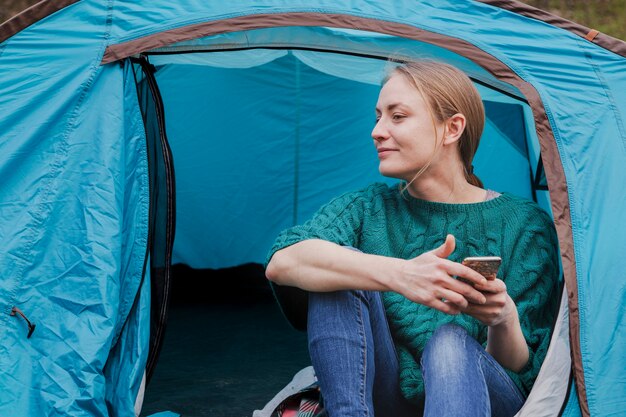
390 172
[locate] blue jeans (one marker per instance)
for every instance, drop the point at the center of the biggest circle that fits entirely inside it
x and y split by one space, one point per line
357 366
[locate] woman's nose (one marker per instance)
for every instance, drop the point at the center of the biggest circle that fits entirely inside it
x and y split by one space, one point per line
379 132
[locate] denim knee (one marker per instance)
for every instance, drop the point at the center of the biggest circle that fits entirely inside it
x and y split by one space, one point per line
449 334
333 299
447 349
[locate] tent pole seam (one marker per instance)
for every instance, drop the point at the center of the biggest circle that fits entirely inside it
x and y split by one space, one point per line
296 174
610 98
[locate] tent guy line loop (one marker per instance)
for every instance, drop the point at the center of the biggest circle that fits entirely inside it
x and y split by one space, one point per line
591 35
31 326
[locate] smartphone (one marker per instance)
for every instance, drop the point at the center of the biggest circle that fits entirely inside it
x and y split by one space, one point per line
487 266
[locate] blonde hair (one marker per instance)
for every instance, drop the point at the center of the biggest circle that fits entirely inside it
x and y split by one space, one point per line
448 91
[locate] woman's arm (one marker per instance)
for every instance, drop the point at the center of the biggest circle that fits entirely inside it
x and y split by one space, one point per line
505 340
318 265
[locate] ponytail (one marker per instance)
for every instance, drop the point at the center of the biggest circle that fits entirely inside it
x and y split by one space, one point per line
473 178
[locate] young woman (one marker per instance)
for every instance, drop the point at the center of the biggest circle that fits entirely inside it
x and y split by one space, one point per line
392 331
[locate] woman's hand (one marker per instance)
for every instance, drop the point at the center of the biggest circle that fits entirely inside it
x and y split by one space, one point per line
499 307
505 340
429 279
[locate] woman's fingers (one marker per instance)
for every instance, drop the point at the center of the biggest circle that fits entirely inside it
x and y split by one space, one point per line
429 277
462 271
446 248
470 293
453 297
494 286
495 311
445 306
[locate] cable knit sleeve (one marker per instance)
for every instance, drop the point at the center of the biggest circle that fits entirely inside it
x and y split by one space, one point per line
532 280
339 222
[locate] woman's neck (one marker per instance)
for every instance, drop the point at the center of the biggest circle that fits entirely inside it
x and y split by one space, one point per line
453 189
444 181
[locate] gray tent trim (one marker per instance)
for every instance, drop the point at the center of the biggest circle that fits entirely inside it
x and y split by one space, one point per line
31 15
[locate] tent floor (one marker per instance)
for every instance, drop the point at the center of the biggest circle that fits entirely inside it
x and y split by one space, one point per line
227 351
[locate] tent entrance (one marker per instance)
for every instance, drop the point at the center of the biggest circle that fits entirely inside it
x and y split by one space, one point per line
262 137
251 128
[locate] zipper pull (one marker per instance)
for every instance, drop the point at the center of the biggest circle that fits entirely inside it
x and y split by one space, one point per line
31 326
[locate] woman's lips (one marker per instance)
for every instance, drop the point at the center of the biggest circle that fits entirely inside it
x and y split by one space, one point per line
382 152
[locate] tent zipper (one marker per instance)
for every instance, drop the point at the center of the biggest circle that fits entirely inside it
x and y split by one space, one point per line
31 326
166 154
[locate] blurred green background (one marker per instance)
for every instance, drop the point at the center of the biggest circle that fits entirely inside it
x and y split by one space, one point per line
607 16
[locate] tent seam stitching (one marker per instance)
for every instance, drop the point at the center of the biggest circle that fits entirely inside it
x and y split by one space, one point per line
583 341
39 215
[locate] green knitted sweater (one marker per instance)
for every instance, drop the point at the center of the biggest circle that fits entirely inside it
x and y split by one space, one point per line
379 220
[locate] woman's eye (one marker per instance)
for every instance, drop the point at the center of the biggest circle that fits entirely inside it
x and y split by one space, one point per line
397 116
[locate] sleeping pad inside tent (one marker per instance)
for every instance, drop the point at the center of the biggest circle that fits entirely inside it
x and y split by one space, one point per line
260 138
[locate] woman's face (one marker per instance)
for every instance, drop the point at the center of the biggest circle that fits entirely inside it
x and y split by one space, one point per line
404 134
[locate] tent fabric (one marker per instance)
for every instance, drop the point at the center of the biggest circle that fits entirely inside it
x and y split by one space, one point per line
74 197
218 197
74 236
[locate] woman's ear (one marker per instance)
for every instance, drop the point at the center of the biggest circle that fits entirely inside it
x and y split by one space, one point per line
455 126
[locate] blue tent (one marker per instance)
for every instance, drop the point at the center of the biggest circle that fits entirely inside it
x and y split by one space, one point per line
264 108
